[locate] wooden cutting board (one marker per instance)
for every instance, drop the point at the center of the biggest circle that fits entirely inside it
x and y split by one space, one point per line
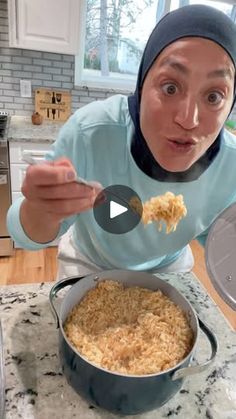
53 105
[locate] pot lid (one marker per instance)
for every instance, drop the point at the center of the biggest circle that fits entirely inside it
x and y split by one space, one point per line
220 255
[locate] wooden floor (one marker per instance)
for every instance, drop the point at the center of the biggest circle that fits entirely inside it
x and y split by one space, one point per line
41 266
29 267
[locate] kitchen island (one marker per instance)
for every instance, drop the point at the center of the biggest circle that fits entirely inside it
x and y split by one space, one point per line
37 389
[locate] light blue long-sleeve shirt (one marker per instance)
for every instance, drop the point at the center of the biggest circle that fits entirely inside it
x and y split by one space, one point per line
97 140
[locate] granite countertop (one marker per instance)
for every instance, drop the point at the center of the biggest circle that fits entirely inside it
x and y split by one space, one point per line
21 129
36 388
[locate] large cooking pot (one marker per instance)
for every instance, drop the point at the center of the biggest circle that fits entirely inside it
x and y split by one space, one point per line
117 393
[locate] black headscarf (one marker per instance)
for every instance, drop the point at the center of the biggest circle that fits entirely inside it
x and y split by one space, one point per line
196 21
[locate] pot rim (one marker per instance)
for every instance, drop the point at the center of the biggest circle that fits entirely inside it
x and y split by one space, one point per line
143 376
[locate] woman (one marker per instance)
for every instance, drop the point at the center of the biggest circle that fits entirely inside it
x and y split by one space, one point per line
168 136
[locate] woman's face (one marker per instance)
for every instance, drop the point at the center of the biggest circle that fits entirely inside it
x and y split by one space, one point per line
185 100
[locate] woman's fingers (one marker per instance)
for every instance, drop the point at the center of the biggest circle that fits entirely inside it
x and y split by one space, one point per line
51 187
49 174
70 190
65 208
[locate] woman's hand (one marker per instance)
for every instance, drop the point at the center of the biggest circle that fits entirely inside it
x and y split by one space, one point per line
51 195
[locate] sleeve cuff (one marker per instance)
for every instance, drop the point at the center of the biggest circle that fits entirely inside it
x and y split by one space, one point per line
17 232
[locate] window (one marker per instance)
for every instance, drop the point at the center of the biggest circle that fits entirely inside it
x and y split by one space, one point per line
113 36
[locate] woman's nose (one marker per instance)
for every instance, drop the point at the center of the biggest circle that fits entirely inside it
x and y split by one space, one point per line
187 114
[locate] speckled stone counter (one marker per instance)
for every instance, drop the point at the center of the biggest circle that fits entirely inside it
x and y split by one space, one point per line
36 388
21 129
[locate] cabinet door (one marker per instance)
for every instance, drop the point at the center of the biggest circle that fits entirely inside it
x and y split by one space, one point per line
45 25
18 172
18 168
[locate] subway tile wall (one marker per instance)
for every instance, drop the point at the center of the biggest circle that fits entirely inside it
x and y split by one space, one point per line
43 69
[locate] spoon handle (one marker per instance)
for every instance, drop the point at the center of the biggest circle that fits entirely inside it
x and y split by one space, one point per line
31 161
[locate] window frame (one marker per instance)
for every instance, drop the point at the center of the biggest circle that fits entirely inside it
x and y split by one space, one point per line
110 83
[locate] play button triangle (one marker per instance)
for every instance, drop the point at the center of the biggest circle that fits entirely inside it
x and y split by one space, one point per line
116 209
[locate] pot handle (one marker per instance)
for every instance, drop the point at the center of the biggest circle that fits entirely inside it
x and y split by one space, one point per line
59 285
184 372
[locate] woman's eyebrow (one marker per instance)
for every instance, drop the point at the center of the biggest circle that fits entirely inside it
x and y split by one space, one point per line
175 64
221 72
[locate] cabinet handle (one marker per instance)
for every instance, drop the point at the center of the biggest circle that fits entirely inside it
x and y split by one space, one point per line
39 155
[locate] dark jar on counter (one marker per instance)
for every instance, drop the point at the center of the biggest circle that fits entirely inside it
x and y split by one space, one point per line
36 118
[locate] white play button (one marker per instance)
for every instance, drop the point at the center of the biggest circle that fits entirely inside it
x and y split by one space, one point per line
111 212
116 209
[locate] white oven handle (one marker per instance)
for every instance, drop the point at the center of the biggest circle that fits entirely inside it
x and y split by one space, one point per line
3 179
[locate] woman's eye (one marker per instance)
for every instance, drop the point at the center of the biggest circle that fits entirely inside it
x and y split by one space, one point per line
169 88
214 98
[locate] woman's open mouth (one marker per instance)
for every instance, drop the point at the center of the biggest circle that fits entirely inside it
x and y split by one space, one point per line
181 145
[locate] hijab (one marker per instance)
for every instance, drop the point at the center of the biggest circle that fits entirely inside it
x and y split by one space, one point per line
188 21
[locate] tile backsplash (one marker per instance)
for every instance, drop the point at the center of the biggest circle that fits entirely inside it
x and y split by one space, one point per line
43 69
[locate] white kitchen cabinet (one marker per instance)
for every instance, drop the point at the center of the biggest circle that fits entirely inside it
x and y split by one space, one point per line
45 25
18 167
17 176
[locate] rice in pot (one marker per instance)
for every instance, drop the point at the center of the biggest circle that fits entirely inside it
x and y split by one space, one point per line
129 330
